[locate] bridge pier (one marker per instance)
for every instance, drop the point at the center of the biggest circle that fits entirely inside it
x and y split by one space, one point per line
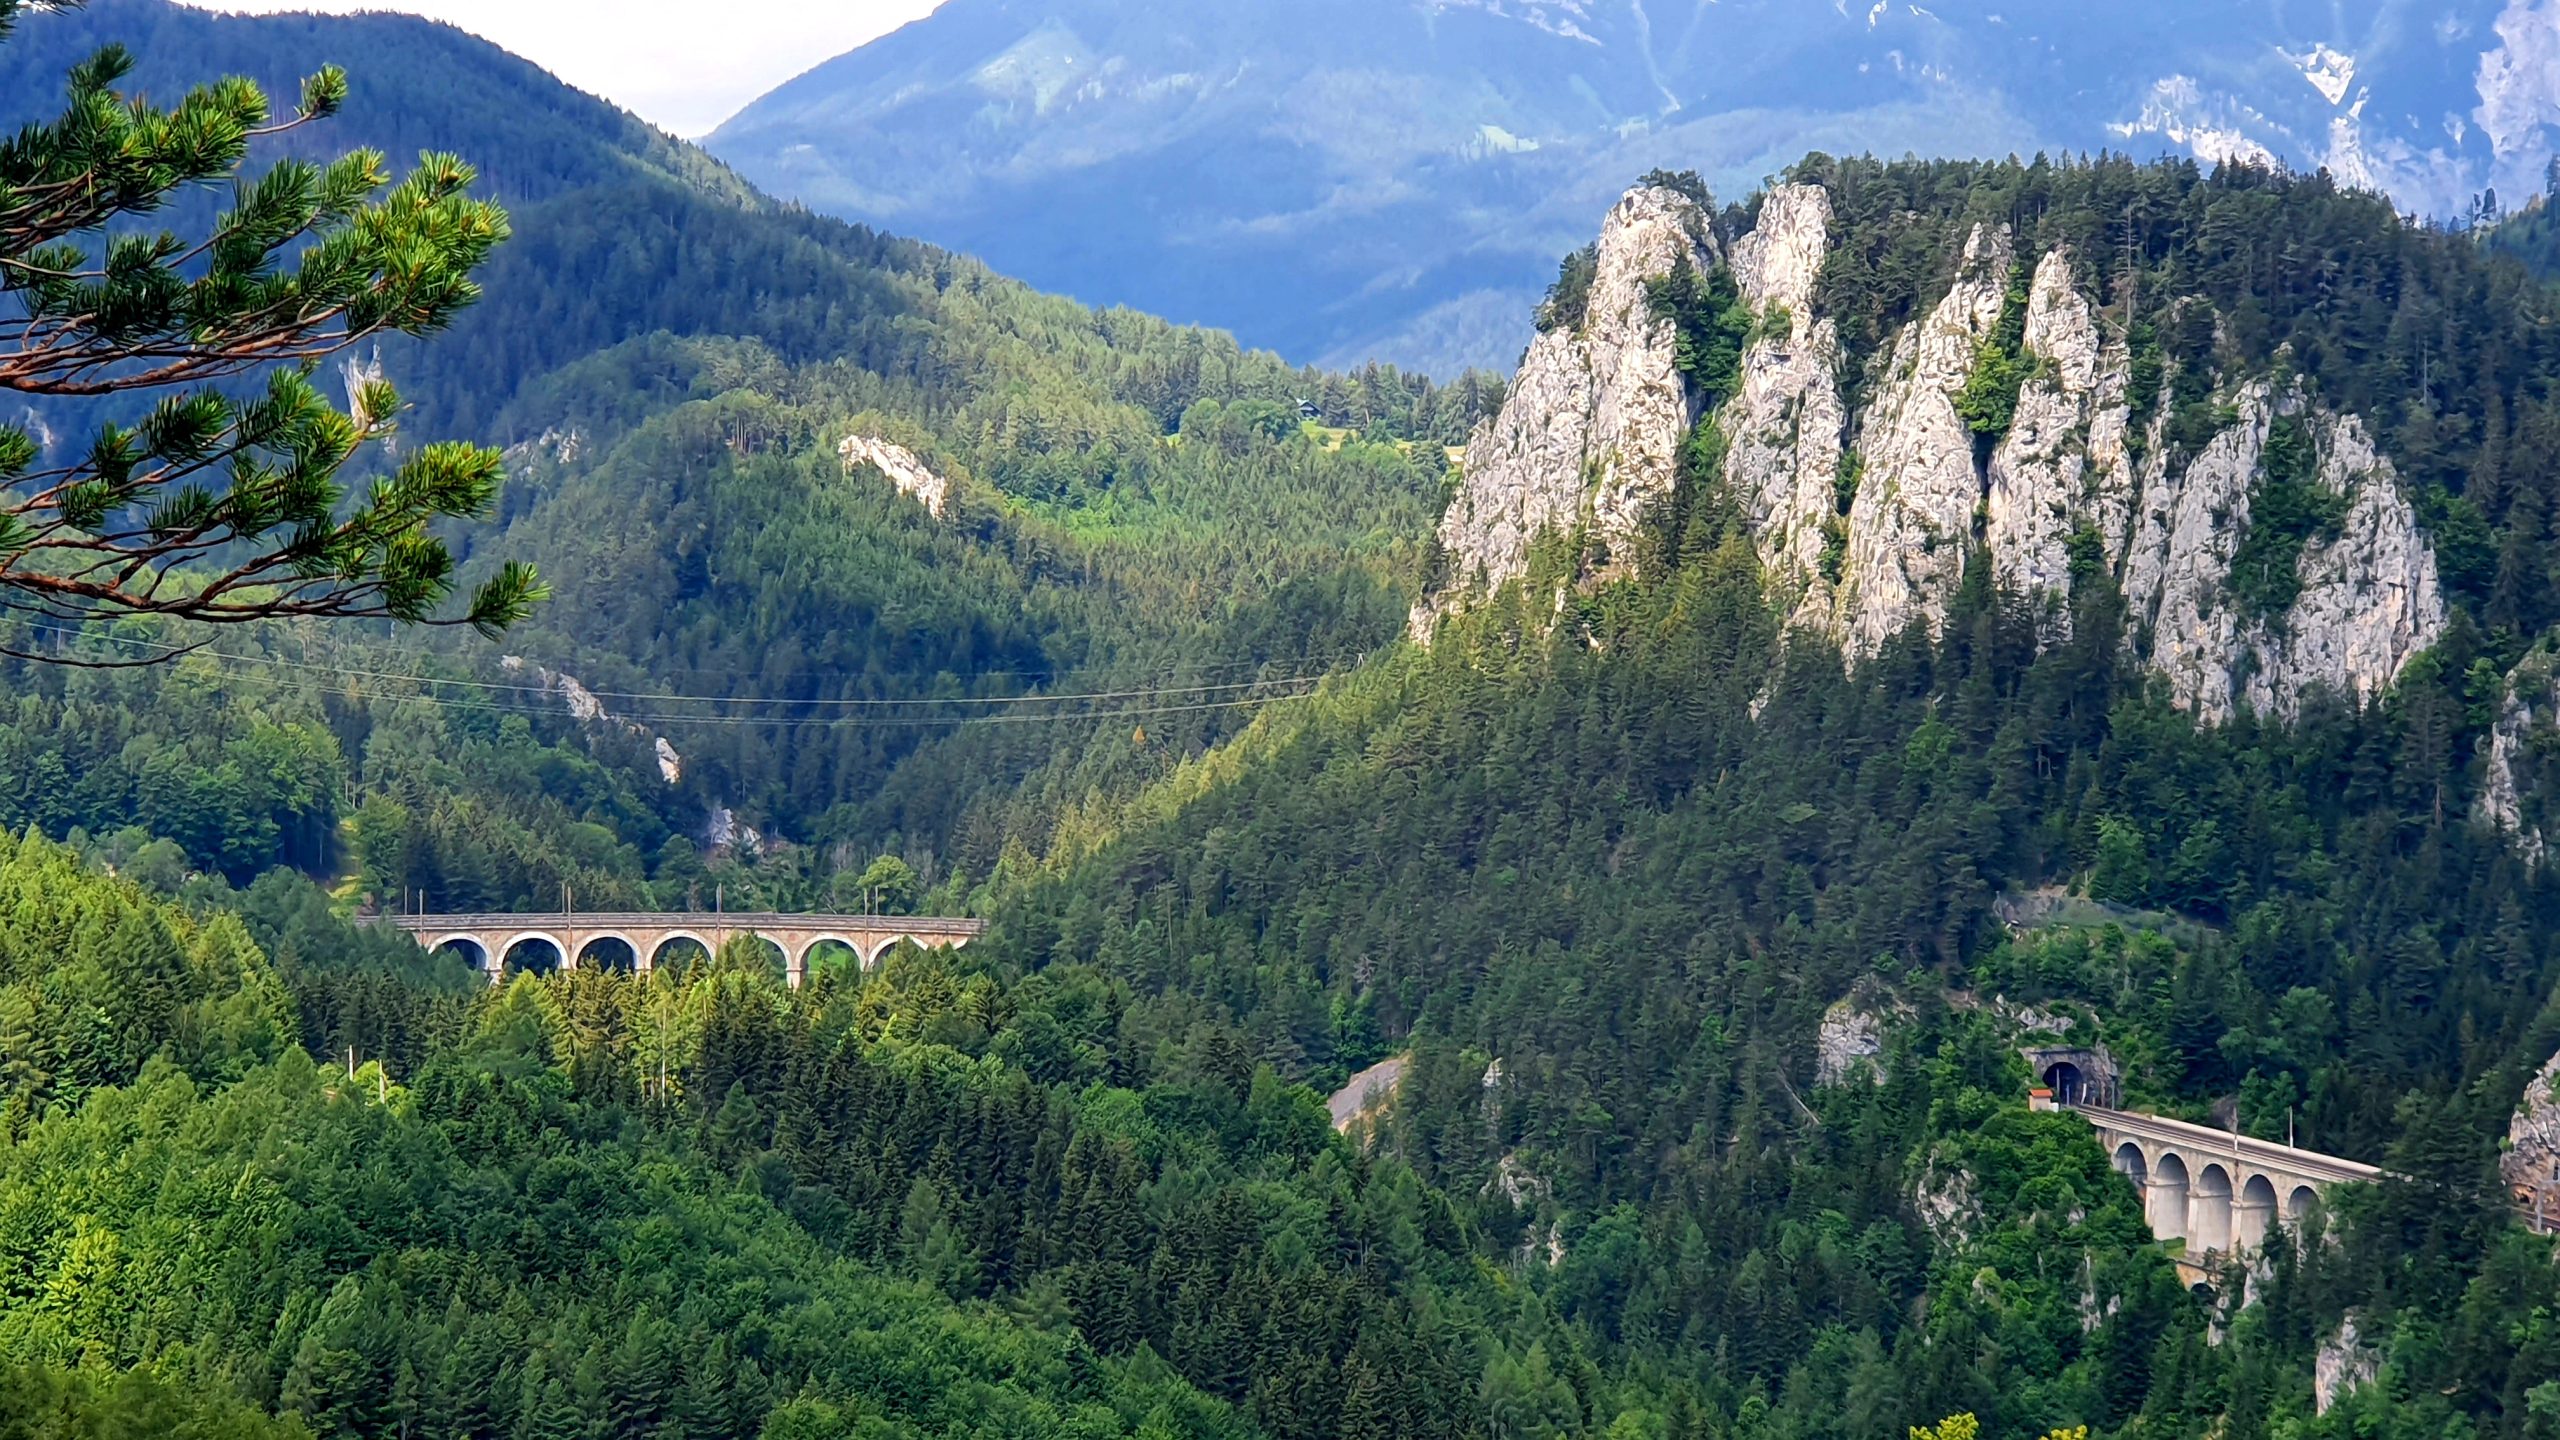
797 937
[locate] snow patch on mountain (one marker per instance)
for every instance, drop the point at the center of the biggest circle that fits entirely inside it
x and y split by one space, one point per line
2519 88
2331 72
2177 111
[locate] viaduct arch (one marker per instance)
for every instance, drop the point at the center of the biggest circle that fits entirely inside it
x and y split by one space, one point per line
489 938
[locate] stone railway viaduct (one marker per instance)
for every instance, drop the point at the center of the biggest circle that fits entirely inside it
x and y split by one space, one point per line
491 938
2218 1191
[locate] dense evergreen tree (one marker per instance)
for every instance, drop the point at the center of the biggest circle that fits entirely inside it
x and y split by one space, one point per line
224 507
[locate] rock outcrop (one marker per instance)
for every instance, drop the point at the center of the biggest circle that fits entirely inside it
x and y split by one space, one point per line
2369 599
359 374
902 467
2063 465
2531 1161
1848 1046
1913 519
554 446
1366 1096
586 708
1787 425
2527 728
1866 520
2345 1361
1592 426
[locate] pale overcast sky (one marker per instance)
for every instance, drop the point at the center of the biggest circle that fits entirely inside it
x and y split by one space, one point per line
671 61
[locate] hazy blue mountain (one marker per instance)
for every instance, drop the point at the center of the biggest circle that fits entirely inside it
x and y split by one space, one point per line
1344 179
423 86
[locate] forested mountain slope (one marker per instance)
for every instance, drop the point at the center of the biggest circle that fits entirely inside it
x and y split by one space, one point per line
700 1209
703 388
427 87
1798 630
1785 653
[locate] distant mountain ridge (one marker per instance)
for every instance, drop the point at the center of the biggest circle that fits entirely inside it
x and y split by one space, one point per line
1346 181
531 135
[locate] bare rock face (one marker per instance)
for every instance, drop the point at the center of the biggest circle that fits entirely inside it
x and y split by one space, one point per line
2063 465
1367 1096
2531 1163
586 708
2369 598
903 468
2346 1360
359 374
1943 1196
2527 728
1787 425
2187 530
1913 518
1847 1046
558 447
1592 426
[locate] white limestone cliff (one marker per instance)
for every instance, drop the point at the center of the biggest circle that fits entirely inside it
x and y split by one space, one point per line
359 374
1787 424
1592 426
902 467
1913 519
2527 727
2063 465
1594 423
2369 599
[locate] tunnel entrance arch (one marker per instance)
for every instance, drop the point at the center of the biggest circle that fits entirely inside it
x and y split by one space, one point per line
2080 1076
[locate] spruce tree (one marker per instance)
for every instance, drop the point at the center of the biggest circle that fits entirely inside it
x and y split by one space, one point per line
225 501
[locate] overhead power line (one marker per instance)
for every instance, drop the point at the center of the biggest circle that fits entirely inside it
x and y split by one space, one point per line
1180 699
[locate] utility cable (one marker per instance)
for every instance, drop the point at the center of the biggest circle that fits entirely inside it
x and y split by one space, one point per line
664 698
